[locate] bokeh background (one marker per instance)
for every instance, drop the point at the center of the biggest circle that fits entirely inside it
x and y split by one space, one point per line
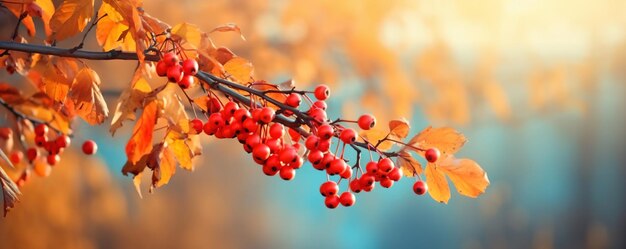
536 86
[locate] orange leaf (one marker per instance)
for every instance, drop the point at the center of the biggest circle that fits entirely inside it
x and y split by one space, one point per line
112 32
173 109
468 177
130 100
437 184
375 135
162 162
88 100
399 128
446 139
228 28
71 18
239 70
177 143
409 166
188 33
140 142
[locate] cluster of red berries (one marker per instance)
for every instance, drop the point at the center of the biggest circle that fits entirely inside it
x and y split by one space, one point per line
177 71
53 147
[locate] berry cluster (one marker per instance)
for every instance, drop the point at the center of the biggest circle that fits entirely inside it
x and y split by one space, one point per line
52 148
281 150
177 71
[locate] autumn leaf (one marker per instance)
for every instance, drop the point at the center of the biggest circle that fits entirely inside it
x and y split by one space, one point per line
173 109
10 95
189 33
239 70
446 139
437 184
130 100
70 18
88 101
468 177
409 166
163 165
140 142
41 8
229 27
263 85
55 75
399 128
177 142
112 31
374 136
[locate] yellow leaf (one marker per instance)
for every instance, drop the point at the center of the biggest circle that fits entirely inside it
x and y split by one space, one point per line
88 100
399 128
130 100
468 177
437 184
163 165
239 70
409 166
375 135
140 142
112 31
47 10
177 143
189 33
71 18
446 139
173 109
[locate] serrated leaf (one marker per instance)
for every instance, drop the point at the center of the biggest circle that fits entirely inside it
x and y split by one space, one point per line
409 166
130 100
446 139
468 177
88 101
70 18
140 142
437 184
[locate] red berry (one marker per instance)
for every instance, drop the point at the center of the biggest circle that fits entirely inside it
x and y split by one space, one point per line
348 136
249 125
347 199
63 141
230 108
328 158
420 187
386 182
312 142
329 188
367 180
53 159
271 169
318 115
209 128
347 173
324 145
293 100
295 136
296 164
161 68
320 104
175 73
32 154
241 115
170 59
287 173
325 131
275 144
41 130
432 155
277 130
372 167
322 92
332 201
395 174
355 186
186 81
315 157
90 147
266 115
196 125
52 147
261 152
366 121
190 67
251 142
336 167
41 141
288 155
16 157
216 119
385 165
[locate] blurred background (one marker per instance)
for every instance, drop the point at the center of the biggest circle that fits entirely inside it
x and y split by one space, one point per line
536 86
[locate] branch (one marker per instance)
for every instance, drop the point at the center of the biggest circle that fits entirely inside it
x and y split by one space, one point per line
225 86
